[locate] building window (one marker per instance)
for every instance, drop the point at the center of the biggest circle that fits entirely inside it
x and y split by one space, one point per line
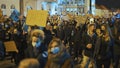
3 7
72 2
67 9
55 8
67 2
76 2
12 7
83 1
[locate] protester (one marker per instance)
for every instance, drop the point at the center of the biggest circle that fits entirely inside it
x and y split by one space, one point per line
78 40
36 48
102 48
57 55
88 39
117 44
48 34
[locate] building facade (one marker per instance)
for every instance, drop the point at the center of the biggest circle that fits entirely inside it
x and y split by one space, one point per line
53 6
7 6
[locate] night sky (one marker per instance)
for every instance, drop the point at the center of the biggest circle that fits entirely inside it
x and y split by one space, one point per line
109 3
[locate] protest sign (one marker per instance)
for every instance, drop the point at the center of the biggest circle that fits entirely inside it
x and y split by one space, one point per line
37 17
81 19
10 46
15 15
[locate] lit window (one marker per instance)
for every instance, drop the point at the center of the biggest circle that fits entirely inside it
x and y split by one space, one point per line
67 9
12 7
3 7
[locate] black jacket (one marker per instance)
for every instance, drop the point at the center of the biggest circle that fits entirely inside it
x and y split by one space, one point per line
29 52
86 39
102 49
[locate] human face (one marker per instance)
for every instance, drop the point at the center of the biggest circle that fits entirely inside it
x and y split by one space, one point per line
54 44
54 48
34 39
98 31
102 27
15 31
91 28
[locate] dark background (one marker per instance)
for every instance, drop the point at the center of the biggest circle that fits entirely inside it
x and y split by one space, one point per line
109 3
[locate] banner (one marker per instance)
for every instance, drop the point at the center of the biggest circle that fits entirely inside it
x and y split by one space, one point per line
10 46
15 15
37 17
81 19
98 12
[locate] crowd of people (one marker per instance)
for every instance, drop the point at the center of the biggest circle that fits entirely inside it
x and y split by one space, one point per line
63 43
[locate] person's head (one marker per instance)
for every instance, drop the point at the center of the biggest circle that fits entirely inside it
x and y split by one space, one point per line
98 31
29 63
37 37
105 30
15 31
103 27
56 47
91 27
48 26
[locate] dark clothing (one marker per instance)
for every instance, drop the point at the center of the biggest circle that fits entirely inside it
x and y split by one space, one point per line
67 31
87 39
117 44
77 43
20 25
17 39
116 50
106 63
102 53
63 61
104 49
36 52
60 33
116 61
48 36
2 50
30 51
18 56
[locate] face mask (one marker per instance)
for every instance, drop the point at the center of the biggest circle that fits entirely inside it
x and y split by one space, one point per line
55 50
38 44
